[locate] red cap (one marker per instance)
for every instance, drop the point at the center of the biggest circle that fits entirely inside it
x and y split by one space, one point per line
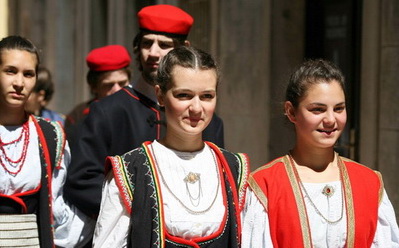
108 58
165 19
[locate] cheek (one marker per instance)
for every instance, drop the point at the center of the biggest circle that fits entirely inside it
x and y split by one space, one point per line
306 120
143 54
342 119
174 108
30 84
163 52
210 107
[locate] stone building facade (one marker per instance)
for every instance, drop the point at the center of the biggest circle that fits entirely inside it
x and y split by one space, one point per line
257 44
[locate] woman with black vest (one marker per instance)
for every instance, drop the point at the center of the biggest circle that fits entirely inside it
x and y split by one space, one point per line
34 157
178 190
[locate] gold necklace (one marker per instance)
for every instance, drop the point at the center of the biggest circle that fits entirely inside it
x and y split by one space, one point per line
327 190
195 212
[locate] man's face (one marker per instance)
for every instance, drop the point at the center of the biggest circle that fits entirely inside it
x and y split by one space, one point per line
152 49
111 83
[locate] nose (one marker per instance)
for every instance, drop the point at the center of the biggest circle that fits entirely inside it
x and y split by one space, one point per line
195 106
19 82
115 88
154 50
329 118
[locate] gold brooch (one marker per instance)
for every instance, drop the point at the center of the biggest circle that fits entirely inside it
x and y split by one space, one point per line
192 177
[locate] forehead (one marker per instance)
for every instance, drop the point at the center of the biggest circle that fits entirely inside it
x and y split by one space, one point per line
324 92
117 75
16 57
157 37
193 78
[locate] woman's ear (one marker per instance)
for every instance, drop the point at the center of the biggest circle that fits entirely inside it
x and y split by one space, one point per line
159 94
289 111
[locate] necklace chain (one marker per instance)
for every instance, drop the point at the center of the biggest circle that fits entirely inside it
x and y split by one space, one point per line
310 199
18 163
193 178
177 198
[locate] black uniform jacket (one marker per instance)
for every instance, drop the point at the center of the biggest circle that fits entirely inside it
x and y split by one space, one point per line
115 125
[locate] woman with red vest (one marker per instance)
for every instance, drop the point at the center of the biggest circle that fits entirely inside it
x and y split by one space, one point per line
312 197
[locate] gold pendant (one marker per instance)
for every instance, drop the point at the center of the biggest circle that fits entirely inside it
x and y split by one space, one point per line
192 177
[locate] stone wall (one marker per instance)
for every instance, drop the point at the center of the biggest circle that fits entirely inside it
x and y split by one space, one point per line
388 100
379 129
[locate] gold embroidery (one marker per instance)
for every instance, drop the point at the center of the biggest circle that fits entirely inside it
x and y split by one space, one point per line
307 242
257 191
350 211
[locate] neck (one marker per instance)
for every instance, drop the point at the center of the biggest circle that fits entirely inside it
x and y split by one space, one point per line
315 159
145 88
12 117
183 144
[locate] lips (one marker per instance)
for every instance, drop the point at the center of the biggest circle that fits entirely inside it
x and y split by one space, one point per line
328 132
152 65
18 96
194 119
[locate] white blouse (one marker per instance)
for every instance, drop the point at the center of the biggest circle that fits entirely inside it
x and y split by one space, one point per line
72 227
256 232
181 220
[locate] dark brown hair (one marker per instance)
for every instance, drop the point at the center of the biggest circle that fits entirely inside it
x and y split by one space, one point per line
15 42
187 57
309 73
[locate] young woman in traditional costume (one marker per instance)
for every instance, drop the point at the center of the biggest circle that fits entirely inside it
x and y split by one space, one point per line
312 197
33 158
179 190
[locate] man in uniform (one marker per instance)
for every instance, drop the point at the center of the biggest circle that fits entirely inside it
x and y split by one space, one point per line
108 73
124 120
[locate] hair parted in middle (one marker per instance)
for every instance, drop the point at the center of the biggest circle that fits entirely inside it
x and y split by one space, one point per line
187 57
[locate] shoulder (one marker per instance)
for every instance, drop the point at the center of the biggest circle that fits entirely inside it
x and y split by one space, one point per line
44 123
217 119
53 134
236 159
126 100
273 166
78 109
124 94
53 115
358 168
128 160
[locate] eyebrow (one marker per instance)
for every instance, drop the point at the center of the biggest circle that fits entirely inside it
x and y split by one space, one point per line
322 104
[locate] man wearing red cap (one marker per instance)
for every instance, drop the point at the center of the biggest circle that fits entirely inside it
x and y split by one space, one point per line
124 120
108 72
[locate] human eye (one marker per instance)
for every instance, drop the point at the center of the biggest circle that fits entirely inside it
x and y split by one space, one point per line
208 96
29 74
183 96
10 70
340 108
146 43
123 83
107 86
166 45
317 110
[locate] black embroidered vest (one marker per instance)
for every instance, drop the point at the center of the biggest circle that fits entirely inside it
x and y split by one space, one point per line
136 170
